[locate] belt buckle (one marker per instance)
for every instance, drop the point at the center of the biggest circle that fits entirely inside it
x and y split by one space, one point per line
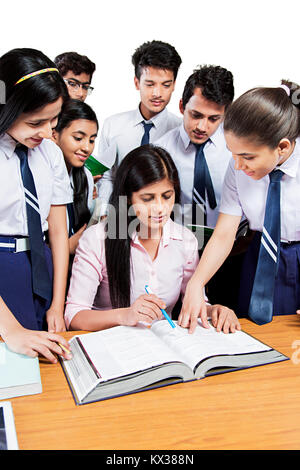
21 244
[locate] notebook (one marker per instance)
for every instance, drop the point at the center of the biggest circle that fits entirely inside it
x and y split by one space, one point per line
124 359
19 374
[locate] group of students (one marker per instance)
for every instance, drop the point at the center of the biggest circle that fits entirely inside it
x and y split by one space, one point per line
225 163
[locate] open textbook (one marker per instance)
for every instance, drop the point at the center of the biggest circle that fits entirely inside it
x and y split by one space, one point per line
124 359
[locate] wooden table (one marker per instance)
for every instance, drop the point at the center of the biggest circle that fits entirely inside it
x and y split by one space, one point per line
258 408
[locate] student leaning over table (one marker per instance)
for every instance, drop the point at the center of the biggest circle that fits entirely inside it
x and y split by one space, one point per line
262 130
111 268
34 189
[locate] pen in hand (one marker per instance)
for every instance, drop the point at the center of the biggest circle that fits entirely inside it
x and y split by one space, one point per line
149 291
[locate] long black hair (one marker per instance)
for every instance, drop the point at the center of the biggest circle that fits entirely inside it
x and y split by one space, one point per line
144 165
30 94
71 111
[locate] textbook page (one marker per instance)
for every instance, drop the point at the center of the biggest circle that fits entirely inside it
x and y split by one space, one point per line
205 342
124 350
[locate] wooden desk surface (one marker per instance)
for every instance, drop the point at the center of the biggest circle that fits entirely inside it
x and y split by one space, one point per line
258 408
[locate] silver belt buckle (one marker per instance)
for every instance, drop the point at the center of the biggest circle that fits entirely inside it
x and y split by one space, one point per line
22 244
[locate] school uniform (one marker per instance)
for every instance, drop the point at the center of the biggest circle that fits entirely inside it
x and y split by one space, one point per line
167 275
122 133
52 186
223 287
183 153
243 195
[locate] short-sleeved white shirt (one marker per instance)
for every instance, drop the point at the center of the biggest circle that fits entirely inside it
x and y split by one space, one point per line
51 182
243 195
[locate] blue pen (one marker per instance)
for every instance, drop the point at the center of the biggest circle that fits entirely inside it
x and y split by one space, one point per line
149 291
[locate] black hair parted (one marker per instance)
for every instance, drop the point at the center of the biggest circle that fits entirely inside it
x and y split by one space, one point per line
216 85
75 62
144 165
32 93
156 54
73 110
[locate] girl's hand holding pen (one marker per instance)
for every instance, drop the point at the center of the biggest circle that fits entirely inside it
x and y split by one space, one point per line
146 308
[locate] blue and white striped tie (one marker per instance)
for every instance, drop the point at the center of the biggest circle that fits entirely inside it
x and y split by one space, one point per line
41 282
202 185
261 302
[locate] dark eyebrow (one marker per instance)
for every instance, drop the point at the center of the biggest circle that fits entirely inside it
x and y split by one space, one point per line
83 133
152 81
151 194
245 154
78 81
42 120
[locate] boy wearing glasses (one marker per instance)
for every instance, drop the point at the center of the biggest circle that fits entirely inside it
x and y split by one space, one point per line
77 71
156 65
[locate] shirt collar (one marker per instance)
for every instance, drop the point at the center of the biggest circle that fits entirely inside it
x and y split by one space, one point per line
170 231
217 139
156 120
8 145
290 166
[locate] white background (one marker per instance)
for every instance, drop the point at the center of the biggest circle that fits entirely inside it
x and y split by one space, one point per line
257 40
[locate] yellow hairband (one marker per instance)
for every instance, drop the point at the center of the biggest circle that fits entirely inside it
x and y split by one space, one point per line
38 72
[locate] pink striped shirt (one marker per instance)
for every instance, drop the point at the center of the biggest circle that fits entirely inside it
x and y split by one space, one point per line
167 275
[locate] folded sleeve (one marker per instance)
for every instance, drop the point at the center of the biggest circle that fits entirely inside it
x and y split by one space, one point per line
62 191
230 202
87 272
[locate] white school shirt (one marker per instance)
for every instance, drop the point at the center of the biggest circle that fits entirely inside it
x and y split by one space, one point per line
122 133
183 152
244 195
51 182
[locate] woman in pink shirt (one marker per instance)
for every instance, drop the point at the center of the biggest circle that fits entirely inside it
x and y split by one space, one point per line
137 245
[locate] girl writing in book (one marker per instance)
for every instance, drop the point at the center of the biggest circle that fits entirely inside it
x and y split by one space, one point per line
138 245
262 130
75 134
34 188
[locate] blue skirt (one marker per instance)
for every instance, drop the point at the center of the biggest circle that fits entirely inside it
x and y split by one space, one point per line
287 293
16 288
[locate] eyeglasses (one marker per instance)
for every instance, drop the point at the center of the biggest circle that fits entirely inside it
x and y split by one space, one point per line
75 85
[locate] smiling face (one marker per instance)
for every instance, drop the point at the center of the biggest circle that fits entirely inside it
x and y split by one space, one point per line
77 141
201 117
31 128
156 87
153 205
255 160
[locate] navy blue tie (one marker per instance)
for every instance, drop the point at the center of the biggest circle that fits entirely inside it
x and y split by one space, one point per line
41 282
71 217
146 137
202 185
261 302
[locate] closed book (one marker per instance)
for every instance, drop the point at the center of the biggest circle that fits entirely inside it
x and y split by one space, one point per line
19 374
124 359
95 166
